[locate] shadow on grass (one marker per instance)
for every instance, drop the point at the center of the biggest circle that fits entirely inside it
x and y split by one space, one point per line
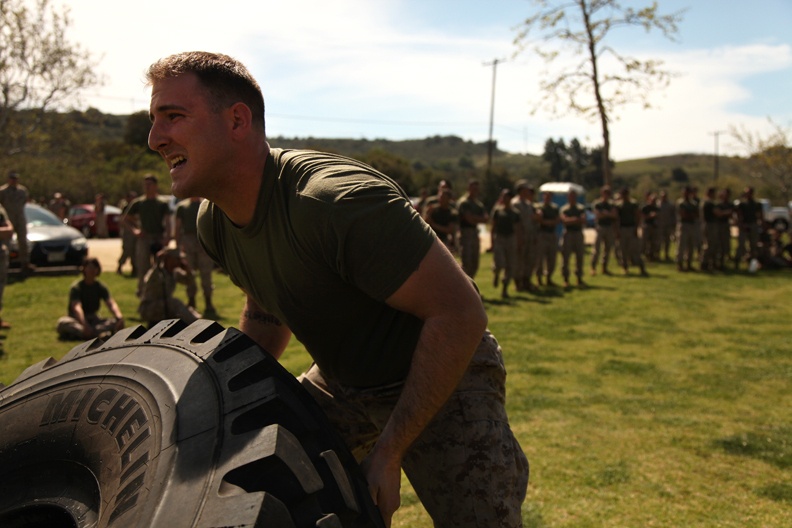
771 445
777 491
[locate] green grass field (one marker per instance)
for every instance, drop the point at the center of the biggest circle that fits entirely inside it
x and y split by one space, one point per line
660 401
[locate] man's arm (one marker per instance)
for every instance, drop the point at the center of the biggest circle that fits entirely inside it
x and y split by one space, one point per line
264 328
130 221
77 311
6 230
177 229
167 227
441 295
112 305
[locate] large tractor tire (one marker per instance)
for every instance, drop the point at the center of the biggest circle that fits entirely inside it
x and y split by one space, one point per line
177 426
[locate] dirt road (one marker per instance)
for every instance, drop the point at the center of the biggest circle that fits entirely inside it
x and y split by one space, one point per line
107 250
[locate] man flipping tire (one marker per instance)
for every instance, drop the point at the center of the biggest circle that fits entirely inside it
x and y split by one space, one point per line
331 250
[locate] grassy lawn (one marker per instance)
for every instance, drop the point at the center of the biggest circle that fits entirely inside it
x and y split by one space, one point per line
660 401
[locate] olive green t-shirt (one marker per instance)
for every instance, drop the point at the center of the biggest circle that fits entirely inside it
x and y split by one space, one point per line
187 212
151 212
573 211
330 240
90 296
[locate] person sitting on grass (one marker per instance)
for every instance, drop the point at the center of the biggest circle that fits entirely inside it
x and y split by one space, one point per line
85 296
157 301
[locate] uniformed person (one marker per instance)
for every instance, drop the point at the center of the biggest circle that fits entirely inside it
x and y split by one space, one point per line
724 212
149 218
471 214
712 240
186 235
573 218
548 239
629 219
606 219
749 222
13 197
527 241
505 224
687 215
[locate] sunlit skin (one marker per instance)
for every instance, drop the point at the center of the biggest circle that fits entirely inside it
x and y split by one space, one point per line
199 143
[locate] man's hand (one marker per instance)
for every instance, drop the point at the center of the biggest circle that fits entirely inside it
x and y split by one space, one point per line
384 483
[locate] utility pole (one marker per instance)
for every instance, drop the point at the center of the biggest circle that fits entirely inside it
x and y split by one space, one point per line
717 158
490 144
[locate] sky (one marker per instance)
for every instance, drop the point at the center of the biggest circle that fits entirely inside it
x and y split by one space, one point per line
410 69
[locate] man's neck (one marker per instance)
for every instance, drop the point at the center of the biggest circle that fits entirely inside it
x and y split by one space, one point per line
241 197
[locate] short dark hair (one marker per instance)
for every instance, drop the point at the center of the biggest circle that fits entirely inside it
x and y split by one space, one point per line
92 261
150 177
226 79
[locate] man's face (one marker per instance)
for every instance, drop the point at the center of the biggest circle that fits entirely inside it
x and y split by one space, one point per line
90 271
189 135
150 188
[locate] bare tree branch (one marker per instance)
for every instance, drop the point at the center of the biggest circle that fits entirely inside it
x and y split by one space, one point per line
604 80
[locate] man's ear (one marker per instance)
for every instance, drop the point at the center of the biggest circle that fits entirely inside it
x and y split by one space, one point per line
241 116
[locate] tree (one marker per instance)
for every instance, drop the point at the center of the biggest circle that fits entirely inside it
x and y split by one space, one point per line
602 79
555 153
40 70
136 130
769 157
679 175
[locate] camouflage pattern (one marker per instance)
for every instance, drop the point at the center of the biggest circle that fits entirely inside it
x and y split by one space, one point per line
504 255
527 249
157 301
198 260
686 237
470 250
606 236
466 467
630 245
573 243
547 253
146 247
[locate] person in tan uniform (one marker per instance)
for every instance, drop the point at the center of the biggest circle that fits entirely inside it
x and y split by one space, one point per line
573 218
159 285
13 197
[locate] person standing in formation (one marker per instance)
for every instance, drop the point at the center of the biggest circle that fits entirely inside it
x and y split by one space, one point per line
13 197
548 239
573 218
630 243
527 236
471 214
186 235
505 224
606 218
149 219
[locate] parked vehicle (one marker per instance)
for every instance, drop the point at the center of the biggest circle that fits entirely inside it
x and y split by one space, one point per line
83 218
50 241
777 217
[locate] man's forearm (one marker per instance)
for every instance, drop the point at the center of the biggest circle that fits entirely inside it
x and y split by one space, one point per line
440 360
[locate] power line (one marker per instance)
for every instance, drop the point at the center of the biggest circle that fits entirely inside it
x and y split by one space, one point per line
331 119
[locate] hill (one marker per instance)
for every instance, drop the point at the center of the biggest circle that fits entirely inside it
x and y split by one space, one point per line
82 153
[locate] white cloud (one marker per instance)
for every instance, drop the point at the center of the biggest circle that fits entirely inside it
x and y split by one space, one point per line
352 67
